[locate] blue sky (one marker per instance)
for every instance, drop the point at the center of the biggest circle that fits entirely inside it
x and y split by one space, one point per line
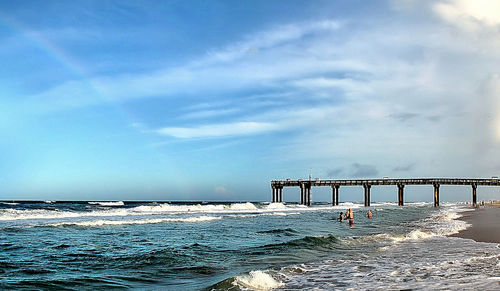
210 100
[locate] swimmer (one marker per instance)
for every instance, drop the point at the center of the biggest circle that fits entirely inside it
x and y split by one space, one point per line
369 214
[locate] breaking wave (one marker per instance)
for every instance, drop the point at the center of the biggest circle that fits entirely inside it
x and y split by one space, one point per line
253 280
257 280
236 208
138 221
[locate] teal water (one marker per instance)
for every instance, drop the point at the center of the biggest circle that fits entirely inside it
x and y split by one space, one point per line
239 246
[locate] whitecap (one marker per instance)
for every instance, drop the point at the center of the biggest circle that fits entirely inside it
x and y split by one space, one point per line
242 206
276 206
257 280
26 214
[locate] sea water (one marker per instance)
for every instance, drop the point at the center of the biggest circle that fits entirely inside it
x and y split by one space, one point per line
240 246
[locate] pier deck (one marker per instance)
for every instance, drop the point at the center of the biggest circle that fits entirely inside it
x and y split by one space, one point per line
306 197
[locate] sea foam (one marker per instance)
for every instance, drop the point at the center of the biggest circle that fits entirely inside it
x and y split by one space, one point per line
242 206
257 280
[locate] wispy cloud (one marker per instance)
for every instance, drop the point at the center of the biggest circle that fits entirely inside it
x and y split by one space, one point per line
218 130
210 113
224 70
280 35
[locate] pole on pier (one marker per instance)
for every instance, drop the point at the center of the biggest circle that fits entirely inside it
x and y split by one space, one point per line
281 194
337 194
274 194
400 194
474 197
436 195
367 194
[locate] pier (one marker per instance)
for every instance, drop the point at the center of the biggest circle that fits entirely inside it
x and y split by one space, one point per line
306 185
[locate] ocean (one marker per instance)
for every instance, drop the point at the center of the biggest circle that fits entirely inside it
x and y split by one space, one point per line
240 246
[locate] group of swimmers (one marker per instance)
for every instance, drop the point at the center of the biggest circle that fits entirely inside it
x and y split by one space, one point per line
349 215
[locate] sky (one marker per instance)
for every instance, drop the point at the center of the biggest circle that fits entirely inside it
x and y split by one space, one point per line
211 100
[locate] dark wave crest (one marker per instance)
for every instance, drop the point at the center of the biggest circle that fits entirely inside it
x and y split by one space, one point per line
226 285
280 231
328 242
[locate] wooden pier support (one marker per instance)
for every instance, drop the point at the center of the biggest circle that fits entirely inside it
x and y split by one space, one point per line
278 194
436 195
367 194
400 194
308 195
337 188
305 194
474 196
302 194
335 195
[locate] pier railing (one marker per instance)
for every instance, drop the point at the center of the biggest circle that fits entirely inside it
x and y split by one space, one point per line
306 185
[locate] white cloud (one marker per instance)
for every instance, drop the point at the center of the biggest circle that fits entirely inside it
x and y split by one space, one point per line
323 86
470 15
219 130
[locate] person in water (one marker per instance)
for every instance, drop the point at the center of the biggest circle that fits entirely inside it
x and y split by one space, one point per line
341 216
351 214
369 214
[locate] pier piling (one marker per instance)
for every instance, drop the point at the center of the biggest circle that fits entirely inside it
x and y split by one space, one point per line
474 197
367 194
337 188
302 195
400 194
308 194
335 195
436 195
